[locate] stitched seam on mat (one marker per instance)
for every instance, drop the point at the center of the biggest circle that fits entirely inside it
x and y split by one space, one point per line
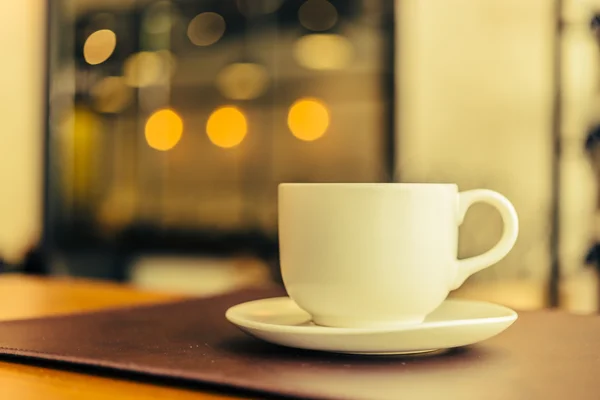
30 351
57 357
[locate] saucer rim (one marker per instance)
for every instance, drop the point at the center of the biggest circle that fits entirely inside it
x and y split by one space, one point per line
510 317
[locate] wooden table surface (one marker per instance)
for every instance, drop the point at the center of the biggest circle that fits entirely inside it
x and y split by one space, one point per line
26 297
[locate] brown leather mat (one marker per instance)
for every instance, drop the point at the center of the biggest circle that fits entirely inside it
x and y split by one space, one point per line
544 355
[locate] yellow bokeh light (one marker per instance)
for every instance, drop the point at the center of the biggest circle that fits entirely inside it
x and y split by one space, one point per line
164 129
308 119
242 81
317 15
99 46
206 29
227 127
323 51
145 69
159 17
81 129
111 94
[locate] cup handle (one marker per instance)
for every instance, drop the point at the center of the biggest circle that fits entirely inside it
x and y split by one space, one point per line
469 266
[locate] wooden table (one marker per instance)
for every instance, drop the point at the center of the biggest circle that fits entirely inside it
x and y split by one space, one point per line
26 297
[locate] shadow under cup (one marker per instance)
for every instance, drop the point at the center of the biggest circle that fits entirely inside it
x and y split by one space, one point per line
376 255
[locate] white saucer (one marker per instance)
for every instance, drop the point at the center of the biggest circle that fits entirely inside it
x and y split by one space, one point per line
455 323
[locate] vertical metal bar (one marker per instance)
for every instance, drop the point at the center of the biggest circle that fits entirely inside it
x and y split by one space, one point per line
557 109
390 32
40 265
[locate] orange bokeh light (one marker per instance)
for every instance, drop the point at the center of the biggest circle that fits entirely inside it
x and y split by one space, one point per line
227 127
99 46
164 129
308 119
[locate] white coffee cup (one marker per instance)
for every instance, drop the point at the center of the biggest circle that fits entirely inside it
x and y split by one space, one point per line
375 255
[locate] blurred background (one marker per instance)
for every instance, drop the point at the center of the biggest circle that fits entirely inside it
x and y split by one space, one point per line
144 140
